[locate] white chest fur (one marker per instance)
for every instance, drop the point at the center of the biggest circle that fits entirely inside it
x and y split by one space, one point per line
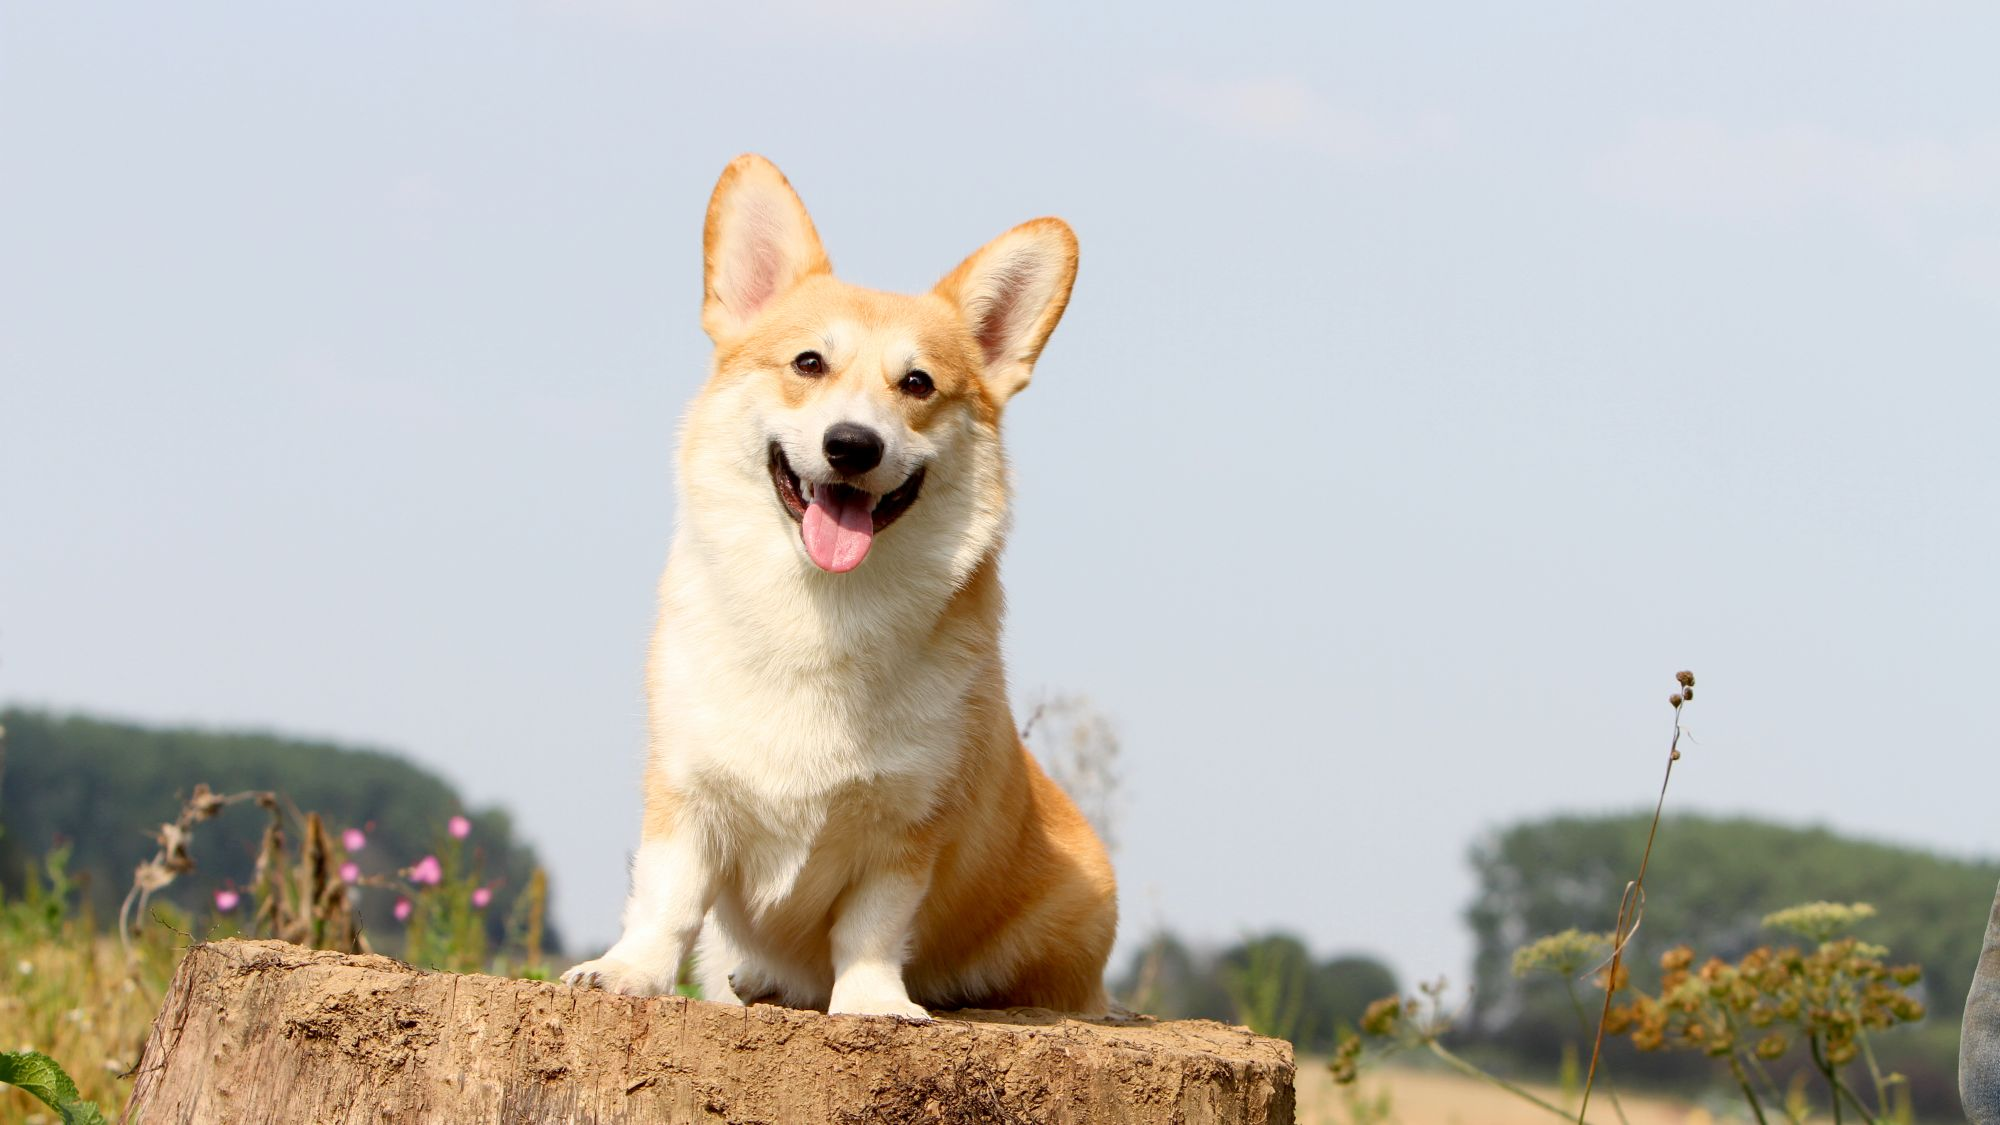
768 706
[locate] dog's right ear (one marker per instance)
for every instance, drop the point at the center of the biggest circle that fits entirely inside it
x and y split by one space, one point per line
758 243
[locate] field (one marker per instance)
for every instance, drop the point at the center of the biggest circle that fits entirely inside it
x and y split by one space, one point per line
1426 1097
84 1002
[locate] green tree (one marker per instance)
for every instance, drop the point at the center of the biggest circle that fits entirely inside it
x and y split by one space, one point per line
1269 982
1711 882
1344 987
1270 979
1169 980
105 788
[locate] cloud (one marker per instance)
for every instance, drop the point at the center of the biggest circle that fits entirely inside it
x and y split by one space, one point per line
1287 110
1704 167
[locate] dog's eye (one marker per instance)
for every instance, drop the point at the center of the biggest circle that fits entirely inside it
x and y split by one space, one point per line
809 363
917 385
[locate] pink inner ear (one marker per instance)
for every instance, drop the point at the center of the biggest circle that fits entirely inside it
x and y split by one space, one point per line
758 259
760 278
993 312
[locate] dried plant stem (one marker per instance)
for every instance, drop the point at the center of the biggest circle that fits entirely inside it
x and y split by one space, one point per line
1631 905
1874 1072
1736 1062
173 858
1743 1081
1826 1072
1035 716
1583 1021
1833 1082
1464 1067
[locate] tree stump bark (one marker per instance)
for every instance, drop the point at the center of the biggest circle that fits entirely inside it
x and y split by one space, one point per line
1979 1032
259 1031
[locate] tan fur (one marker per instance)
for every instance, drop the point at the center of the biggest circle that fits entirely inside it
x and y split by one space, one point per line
824 745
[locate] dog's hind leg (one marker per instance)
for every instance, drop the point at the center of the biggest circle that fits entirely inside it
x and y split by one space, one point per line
729 974
716 961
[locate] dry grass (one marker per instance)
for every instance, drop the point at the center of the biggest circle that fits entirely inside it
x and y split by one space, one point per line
1424 1097
84 1002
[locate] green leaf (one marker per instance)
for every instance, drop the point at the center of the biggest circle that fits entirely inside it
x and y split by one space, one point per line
81 1113
41 1076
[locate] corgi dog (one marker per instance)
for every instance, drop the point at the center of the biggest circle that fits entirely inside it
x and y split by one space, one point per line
838 807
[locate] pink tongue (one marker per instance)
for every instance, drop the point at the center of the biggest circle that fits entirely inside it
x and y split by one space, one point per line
839 527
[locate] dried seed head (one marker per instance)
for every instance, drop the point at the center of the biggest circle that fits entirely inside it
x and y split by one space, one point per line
1676 700
1687 693
1382 1016
204 803
1686 679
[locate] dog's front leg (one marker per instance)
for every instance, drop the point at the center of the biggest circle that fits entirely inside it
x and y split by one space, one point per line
871 940
673 885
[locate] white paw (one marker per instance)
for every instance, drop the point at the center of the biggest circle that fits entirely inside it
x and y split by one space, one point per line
617 976
885 1004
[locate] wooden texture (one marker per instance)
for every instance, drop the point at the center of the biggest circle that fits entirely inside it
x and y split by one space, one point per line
257 1031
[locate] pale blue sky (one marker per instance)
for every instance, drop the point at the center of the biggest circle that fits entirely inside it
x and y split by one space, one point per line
1439 380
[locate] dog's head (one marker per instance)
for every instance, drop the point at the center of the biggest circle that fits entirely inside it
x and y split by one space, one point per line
849 419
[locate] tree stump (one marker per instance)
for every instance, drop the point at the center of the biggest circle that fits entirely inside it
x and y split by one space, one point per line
1979 1032
257 1031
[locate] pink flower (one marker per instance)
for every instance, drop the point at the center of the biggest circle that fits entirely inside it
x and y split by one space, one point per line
428 872
353 839
226 900
459 827
350 872
482 897
403 909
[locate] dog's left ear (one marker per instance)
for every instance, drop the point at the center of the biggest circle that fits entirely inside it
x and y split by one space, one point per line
1011 292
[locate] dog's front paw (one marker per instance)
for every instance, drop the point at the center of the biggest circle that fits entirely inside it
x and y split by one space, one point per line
617 976
884 1003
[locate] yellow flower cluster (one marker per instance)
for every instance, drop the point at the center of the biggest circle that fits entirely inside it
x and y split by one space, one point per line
1826 995
1819 921
1565 954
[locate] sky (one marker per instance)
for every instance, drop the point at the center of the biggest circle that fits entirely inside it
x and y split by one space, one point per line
1439 380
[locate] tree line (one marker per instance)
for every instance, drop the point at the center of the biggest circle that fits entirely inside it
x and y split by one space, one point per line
97 790
1711 882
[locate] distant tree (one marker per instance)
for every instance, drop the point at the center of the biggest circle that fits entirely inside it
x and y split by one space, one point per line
1344 987
105 787
1269 982
1711 881
14 858
1271 979
1170 980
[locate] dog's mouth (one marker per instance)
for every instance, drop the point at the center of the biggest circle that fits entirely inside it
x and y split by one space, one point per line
838 522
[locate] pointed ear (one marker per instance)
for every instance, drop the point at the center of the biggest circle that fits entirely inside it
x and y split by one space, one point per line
758 243
1011 293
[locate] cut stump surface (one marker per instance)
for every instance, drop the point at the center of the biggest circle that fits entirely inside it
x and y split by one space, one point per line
257 1031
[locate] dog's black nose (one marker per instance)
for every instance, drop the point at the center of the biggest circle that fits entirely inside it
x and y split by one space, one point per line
852 449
